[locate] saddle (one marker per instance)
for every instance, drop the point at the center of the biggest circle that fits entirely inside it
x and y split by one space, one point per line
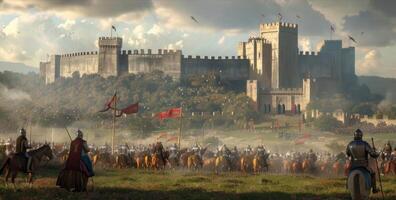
22 160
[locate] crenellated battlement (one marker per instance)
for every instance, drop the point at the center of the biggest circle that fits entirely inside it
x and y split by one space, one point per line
308 53
260 39
76 54
151 52
286 90
279 25
190 57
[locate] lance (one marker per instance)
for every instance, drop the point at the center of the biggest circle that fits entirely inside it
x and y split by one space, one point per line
379 175
67 131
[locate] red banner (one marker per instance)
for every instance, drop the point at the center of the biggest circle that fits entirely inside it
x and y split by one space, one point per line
171 113
134 108
108 104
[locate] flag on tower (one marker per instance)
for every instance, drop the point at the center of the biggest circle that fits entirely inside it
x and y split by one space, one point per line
114 28
332 28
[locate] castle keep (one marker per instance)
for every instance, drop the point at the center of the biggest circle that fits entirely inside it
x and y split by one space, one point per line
277 75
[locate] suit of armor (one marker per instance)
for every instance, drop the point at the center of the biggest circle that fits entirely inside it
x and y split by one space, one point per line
359 152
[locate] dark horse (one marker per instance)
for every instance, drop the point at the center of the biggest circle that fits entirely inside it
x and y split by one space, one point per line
16 162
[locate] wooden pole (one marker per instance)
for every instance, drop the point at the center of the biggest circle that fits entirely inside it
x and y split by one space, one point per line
378 170
181 126
114 118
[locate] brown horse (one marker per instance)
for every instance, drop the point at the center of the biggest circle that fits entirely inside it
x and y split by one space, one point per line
247 163
122 161
104 159
184 158
286 166
17 163
147 161
209 164
139 160
194 162
390 167
296 167
259 164
337 167
222 164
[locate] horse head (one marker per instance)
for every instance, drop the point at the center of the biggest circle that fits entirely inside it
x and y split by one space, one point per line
48 151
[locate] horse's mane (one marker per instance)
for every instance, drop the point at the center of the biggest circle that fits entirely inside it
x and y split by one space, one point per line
39 150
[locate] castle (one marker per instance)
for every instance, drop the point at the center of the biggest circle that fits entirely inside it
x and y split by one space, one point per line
279 78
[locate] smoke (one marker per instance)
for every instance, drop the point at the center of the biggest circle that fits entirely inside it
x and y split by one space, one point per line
388 102
13 94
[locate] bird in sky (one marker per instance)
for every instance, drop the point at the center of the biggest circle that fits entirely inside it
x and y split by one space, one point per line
298 16
280 16
351 38
195 20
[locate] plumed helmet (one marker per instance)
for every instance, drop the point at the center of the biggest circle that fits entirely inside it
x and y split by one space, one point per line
358 135
22 131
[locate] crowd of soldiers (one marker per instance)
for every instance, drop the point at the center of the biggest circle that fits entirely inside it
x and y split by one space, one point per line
220 158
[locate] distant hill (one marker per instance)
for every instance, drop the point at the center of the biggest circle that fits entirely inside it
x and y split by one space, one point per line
17 67
379 85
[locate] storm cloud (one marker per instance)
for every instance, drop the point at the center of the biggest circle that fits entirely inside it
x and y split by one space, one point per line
374 27
89 8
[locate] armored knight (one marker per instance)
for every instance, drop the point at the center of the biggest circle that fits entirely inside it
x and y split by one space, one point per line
359 151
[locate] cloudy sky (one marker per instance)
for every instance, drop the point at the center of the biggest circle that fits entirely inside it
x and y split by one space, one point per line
32 29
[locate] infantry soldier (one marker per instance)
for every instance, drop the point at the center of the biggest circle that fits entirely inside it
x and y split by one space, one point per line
21 148
359 150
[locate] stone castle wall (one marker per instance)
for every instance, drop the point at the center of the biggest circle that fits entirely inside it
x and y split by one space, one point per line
168 61
83 62
232 69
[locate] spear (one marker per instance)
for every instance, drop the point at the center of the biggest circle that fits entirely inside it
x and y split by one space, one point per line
379 175
67 131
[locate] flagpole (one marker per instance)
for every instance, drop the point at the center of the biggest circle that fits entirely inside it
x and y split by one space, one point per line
181 125
114 118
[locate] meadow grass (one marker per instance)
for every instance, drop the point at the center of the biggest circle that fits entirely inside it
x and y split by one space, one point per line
140 184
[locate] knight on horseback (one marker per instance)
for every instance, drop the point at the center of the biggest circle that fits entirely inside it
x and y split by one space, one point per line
248 150
22 145
359 150
386 152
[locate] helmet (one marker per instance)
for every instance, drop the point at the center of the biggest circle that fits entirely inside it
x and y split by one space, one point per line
358 135
79 133
22 131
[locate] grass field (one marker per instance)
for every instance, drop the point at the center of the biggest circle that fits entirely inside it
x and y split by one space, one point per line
135 184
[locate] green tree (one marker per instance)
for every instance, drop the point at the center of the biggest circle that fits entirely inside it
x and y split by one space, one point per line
327 123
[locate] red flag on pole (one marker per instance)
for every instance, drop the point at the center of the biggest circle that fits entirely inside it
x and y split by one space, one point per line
133 108
174 113
171 113
108 104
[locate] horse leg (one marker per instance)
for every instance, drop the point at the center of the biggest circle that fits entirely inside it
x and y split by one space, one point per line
30 180
14 174
7 175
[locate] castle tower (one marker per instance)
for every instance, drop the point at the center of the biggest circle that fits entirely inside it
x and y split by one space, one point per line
109 56
308 92
258 51
252 92
284 40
